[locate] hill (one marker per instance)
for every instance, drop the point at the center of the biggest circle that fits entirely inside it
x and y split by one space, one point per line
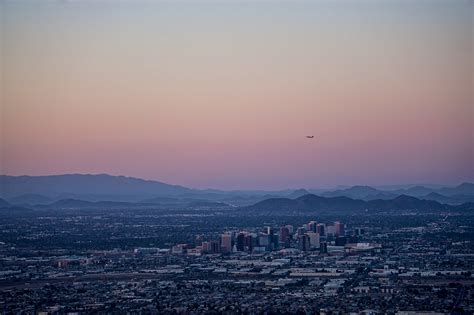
83 204
356 192
30 199
318 203
78 184
298 193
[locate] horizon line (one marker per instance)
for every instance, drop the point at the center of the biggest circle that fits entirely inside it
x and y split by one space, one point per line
337 186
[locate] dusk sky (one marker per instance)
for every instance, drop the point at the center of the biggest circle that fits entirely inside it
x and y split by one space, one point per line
221 94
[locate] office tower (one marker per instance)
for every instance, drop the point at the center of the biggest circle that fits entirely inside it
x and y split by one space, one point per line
304 242
275 243
269 230
198 240
215 248
340 241
314 239
284 233
340 228
206 247
300 231
240 242
321 229
312 226
264 240
290 228
226 243
284 236
330 230
248 242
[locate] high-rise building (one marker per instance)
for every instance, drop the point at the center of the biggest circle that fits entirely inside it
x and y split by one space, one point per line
264 240
284 233
314 239
226 243
312 226
284 236
304 243
290 228
340 228
240 242
269 230
321 229
248 242
198 240
300 231
330 230
275 243
215 248
206 247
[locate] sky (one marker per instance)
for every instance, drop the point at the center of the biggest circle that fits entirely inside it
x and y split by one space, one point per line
221 94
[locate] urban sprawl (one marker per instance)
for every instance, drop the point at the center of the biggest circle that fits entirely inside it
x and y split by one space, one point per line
115 263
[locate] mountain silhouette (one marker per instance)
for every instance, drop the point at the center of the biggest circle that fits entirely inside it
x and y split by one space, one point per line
78 184
30 199
317 203
43 190
298 193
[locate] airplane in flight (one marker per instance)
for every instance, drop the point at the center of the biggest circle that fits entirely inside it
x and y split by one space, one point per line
310 137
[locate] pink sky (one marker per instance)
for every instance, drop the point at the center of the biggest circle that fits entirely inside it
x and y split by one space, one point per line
222 94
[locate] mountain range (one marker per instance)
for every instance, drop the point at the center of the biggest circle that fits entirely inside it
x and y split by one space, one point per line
449 195
317 203
46 190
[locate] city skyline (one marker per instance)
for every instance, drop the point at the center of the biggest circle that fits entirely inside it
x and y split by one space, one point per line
223 94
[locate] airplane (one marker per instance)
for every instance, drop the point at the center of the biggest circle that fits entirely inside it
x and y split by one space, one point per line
310 137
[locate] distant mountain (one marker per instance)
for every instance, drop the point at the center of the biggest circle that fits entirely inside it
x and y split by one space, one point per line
380 195
463 193
13 211
78 184
207 204
466 189
415 191
43 190
404 202
463 189
243 200
360 192
163 200
188 202
82 204
308 203
30 199
439 198
355 192
71 203
317 203
451 200
298 193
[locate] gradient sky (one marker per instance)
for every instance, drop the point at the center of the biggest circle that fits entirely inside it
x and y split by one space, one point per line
222 93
